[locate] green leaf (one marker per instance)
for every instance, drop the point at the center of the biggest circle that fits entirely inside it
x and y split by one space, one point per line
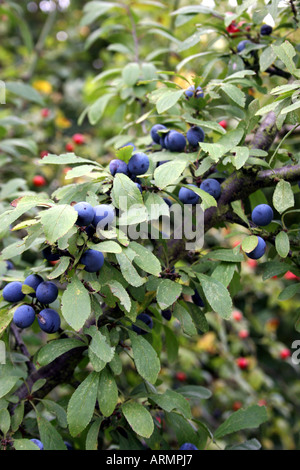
118 291
82 404
167 293
169 173
234 93
138 418
289 292
60 268
107 392
4 421
129 272
145 357
25 444
131 73
6 316
286 52
58 411
267 57
125 193
7 383
216 295
56 348
76 304
51 439
250 418
283 197
185 319
282 243
145 259
99 346
106 247
249 244
92 436
168 99
57 221
252 444
195 392
170 401
25 91
97 109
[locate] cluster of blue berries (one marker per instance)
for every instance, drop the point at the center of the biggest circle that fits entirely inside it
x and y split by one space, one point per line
210 186
265 30
45 293
174 141
166 314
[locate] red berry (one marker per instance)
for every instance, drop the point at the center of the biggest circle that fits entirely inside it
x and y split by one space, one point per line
39 181
252 263
69 147
237 315
44 153
181 376
45 112
223 124
290 276
242 363
262 403
78 139
285 353
237 405
243 334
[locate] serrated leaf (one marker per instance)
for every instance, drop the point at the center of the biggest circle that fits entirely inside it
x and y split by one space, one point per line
56 348
76 304
282 244
138 418
145 358
167 293
107 392
145 259
283 197
82 404
250 418
169 173
57 221
216 295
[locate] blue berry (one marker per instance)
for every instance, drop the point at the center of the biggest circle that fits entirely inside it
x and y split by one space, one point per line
262 215
46 292
138 164
188 196
104 215
93 261
188 446
38 443
195 135
12 292
86 214
139 187
241 45
118 166
24 316
211 187
49 320
49 256
167 314
154 132
175 141
259 251
9 265
266 30
190 92
143 317
197 299
34 280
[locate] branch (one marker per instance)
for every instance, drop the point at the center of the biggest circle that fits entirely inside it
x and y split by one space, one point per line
20 344
57 372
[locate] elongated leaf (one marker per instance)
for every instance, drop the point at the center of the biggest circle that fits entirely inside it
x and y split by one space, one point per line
139 418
